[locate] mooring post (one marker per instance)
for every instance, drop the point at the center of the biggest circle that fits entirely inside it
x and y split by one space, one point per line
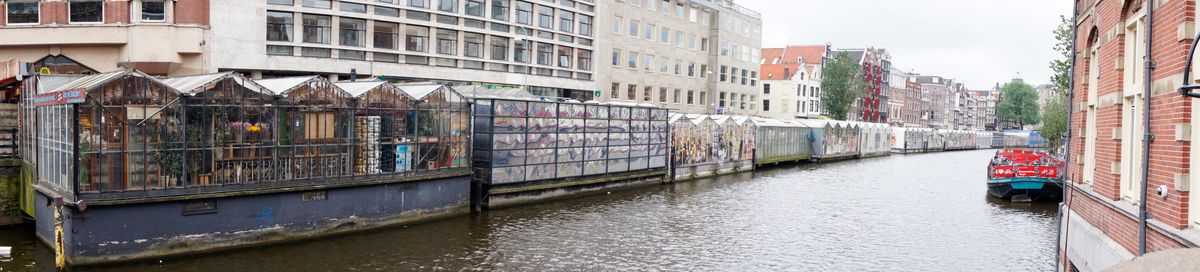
60 253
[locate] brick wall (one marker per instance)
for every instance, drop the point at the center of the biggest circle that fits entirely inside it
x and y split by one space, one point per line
116 12
192 12
1102 24
54 13
1119 227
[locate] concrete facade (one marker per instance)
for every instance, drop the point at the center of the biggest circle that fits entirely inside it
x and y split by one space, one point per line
548 46
1106 127
690 56
651 55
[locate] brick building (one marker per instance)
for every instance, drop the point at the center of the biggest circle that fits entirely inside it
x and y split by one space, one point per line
936 93
1102 222
876 65
916 109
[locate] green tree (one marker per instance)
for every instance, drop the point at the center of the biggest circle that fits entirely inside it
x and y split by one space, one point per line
1062 65
841 85
1054 119
1054 112
1019 103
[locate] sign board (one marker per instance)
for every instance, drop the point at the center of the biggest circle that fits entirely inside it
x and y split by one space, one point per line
596 94
72 96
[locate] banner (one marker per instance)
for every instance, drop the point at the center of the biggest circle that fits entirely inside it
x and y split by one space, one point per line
72 96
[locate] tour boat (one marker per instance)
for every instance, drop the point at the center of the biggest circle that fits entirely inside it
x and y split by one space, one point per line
1025 175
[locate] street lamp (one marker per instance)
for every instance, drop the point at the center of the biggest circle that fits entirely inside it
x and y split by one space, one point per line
528 48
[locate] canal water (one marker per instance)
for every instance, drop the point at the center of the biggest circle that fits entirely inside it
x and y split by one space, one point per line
927 212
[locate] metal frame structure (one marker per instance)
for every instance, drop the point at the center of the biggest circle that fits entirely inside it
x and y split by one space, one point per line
141 137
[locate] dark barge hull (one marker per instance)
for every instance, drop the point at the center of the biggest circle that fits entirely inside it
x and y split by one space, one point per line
1037 189
138 231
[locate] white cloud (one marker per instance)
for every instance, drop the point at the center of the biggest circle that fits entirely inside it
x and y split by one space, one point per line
979 42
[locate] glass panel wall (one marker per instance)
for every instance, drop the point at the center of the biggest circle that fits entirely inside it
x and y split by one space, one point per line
137 133
521 141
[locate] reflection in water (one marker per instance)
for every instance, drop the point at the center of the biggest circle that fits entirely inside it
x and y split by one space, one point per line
900 213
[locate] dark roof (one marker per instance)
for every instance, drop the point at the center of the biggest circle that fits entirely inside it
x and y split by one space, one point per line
855 54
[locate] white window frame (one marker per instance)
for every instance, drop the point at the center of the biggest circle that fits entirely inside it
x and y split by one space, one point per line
102 9
8 21
1132 115
167 6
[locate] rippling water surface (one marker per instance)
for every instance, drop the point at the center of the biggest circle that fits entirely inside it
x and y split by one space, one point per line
925 212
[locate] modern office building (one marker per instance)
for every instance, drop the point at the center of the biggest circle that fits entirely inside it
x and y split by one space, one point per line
692 56
545 45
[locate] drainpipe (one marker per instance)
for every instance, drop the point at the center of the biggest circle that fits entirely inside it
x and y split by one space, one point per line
1147 137
1063 209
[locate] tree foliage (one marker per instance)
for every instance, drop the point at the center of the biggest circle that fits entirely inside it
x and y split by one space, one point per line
1062 65
841 84
1054 119
1055 111
1019 103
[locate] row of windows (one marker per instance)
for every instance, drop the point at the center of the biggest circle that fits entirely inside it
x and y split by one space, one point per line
648 94
746 77
317 29
801 90
802 107
79 11
664 34
524 11
633 60
738 51
739 101
680 10
736 25
318 52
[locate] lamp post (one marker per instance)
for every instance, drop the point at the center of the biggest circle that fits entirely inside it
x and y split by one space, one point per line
528 48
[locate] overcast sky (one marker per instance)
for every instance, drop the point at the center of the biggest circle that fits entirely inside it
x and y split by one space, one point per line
978 42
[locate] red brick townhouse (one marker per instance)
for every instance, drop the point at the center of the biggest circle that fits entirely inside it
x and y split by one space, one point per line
1111 85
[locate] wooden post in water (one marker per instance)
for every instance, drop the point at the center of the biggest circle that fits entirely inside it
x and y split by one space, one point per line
60 258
